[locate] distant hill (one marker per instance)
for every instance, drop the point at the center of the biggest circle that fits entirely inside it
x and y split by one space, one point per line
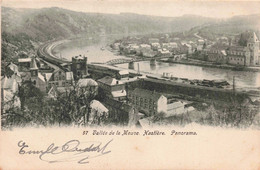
232 26
48 23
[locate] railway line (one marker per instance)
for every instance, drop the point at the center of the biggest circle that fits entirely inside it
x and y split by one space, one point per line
45 53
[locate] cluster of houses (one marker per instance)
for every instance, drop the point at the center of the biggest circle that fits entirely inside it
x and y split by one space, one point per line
114 98
221 51
157 47
227 53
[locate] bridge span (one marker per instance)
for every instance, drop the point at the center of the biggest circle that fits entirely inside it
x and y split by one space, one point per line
131 60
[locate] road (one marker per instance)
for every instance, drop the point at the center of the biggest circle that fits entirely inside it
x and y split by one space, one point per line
196 35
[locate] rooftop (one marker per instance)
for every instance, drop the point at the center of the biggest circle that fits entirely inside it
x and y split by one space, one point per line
69 76
147 93
223 52
119 93
41 77
79 57
123 72
145 46
87 82
14 68
33 65
94 104
118 105
8 83
236 48
24 60
48 76
253 38
174 105
109 81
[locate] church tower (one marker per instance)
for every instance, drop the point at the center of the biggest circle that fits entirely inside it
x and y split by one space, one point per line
253 46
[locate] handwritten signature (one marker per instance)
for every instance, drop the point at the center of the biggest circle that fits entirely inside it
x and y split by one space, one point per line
73 150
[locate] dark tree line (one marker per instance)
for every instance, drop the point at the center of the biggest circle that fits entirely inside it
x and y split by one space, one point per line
69 108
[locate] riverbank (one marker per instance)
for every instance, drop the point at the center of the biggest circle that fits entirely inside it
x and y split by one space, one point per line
212 65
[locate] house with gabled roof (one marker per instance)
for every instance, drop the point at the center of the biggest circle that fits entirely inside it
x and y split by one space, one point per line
35 76
112 88
60 77
10 88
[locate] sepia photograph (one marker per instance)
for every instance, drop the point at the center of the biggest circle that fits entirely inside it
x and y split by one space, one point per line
152 69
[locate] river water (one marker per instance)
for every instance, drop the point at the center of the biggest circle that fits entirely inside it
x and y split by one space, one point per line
92 49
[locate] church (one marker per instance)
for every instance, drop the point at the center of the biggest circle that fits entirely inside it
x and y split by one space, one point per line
248 55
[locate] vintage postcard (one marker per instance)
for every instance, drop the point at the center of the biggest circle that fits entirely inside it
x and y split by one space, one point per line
113 84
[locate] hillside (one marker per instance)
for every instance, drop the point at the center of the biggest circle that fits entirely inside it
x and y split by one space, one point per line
232 26
48 23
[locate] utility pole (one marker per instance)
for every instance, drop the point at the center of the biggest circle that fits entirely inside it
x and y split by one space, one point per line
234 84
138 68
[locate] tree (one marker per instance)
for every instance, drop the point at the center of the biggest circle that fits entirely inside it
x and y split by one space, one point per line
159 116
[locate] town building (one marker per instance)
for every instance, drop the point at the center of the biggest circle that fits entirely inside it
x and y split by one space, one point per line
175 107
152 103
153 40
16 73
186 48
24 64
155 46
200 41
55 91
223 40
116 46
149 102
237 55
253 46
119 112
79 67
36 77
164 53
122 74
112 88
10 88
170 46
132 49
60 78
218 54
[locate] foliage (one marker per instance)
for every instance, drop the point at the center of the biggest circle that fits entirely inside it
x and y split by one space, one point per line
233 114
243 38
158 117
13 47
71 108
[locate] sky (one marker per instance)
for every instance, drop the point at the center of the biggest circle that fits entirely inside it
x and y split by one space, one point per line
171 8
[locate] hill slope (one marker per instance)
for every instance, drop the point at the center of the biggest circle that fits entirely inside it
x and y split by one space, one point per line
48 23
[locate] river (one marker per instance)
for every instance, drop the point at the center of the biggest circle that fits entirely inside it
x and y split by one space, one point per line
92 49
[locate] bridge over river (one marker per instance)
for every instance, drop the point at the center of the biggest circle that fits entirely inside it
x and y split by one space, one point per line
132 60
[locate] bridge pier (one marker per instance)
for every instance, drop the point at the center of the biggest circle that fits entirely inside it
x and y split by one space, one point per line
131 65
170 59
152 62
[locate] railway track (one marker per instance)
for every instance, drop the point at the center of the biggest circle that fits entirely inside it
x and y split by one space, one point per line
44 53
